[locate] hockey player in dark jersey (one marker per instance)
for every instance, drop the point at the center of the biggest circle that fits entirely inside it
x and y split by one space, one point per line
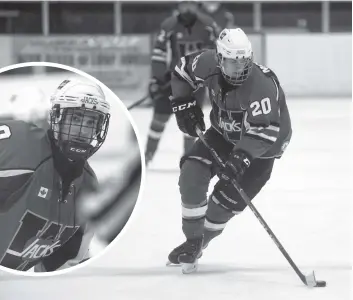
250 128
183 33
43 173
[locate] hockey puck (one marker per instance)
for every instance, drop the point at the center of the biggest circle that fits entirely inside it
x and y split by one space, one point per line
320 283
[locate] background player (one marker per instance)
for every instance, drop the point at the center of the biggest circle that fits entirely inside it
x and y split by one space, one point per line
183 33
250 128
223 17
43 173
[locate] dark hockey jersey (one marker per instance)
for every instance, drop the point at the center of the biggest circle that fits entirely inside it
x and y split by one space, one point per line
174 40
254 116
36 221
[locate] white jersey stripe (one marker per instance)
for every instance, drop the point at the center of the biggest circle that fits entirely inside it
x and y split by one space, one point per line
159 52
183 74
204 160
213 226
9 173
269 128
159 58
194 212
277 97
262 135
154 134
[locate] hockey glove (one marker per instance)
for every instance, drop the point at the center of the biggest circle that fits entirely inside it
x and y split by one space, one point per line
188 115
235 166
156 89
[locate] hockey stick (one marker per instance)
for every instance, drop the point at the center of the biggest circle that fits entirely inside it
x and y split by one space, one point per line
137 102
163 88
308 280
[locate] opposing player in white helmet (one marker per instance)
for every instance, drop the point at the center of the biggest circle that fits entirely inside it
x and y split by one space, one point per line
43 173
250 128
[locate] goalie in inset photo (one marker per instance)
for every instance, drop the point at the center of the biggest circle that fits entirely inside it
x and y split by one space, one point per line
45 173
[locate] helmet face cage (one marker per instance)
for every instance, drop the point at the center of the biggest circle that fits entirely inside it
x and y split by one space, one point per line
235 70
78 131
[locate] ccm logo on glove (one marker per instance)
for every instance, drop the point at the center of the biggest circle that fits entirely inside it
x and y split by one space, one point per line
184 106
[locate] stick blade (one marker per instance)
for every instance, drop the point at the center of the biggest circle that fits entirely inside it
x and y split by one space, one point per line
312 282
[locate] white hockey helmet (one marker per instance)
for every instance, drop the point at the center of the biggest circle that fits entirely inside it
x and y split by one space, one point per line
235 55
75 96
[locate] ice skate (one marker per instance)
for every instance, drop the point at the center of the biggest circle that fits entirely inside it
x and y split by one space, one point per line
186 255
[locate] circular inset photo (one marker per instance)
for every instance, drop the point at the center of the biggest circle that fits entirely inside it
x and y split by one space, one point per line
70 168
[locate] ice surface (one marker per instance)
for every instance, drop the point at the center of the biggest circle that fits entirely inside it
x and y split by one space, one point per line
307 204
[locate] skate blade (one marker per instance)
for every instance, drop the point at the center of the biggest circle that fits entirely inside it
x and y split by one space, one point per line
170 264
187 268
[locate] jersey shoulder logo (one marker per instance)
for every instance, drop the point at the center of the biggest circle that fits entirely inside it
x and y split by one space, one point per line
44 192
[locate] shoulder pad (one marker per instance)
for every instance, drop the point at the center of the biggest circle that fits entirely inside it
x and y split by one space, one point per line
89 170
205 64
206 19
266 72
91 177
23 145
196 67
169 23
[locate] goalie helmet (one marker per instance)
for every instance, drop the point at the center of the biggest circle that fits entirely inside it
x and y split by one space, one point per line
79 118
235 55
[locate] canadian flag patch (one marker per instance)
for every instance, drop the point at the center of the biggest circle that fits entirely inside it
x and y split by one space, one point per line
44 192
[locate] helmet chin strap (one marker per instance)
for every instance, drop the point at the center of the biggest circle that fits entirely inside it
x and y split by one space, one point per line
76 151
